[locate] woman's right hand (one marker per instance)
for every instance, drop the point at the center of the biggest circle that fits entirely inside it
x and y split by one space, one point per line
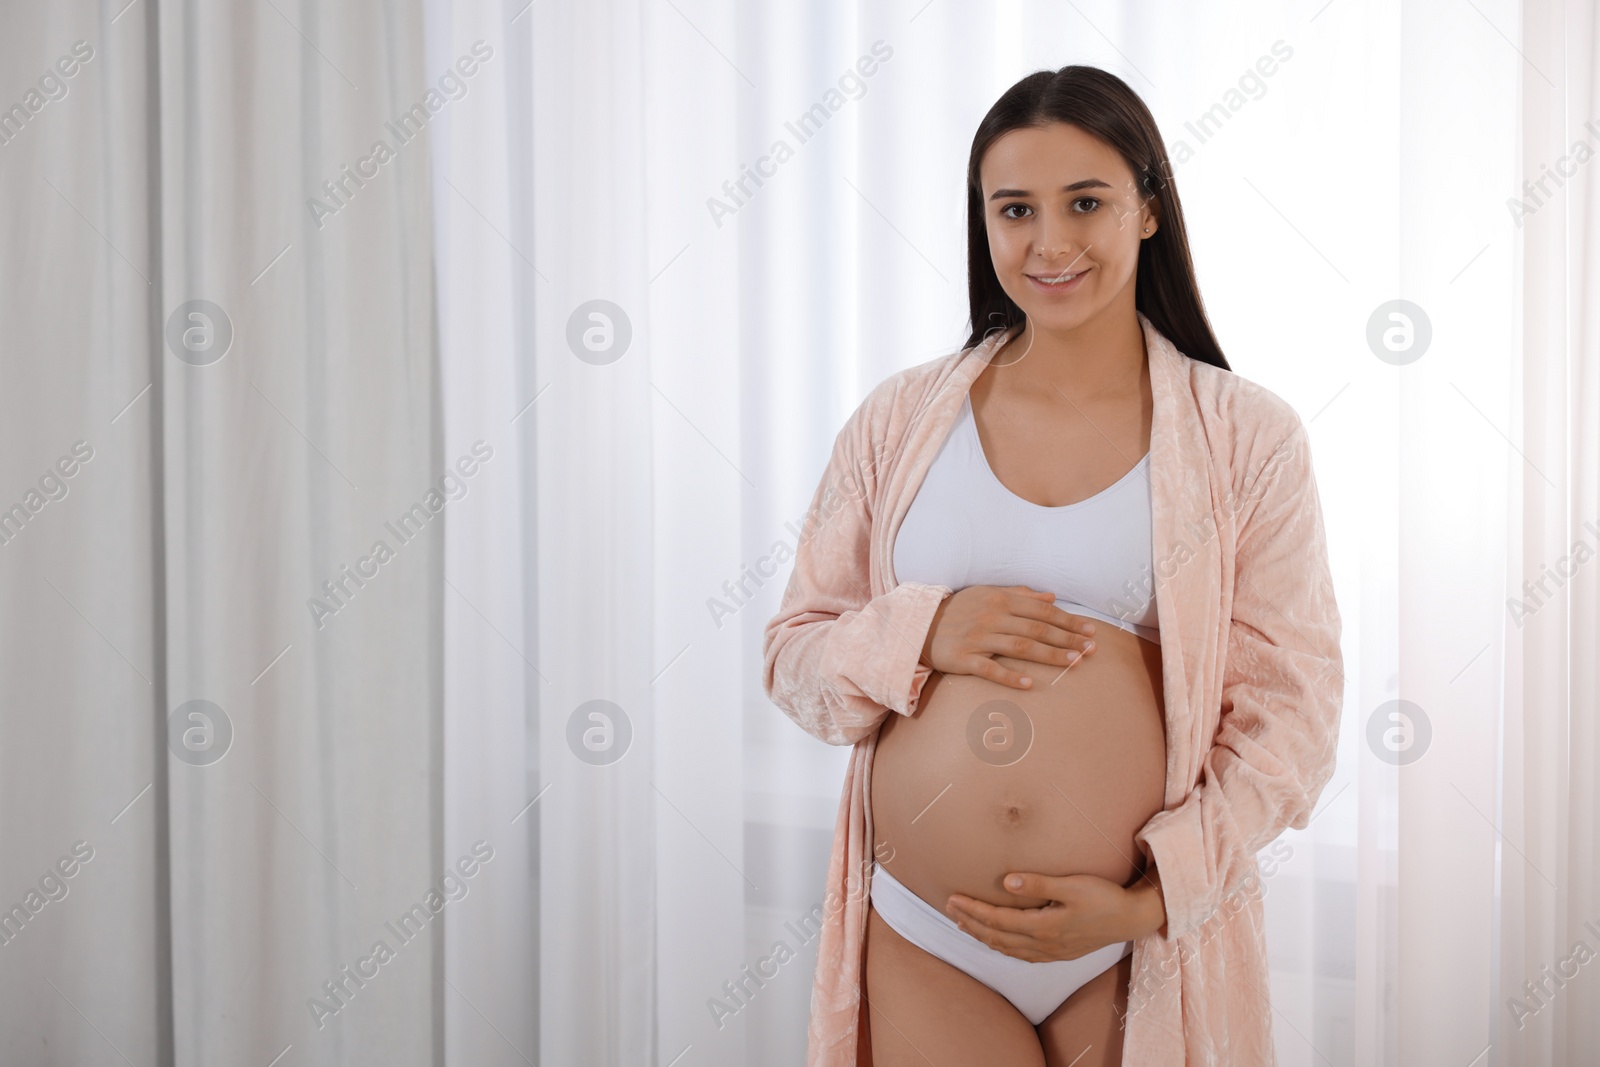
973 625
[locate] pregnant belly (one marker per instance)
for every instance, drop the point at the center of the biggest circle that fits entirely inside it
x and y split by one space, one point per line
985 779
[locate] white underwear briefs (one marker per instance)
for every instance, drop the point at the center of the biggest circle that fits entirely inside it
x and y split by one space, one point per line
1035 989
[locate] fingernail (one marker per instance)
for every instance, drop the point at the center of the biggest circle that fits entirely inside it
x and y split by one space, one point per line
1015 881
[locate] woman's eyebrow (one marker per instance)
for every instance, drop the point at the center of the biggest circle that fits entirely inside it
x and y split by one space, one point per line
1087 183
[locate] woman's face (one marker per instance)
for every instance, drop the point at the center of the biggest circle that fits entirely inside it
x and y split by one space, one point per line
1058 201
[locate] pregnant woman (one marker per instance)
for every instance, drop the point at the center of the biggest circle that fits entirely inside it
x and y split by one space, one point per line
1066 593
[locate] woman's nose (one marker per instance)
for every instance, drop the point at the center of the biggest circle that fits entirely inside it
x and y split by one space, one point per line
1058 248
1055 241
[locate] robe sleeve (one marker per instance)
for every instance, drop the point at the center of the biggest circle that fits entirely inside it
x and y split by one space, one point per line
837 660
1282 693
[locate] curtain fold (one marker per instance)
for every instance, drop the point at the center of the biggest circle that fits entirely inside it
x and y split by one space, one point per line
84 923
303 582
486 292
1548 999
252 745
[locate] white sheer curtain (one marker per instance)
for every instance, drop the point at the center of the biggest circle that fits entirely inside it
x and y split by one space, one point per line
593 332
1548 871
253 384
1312 207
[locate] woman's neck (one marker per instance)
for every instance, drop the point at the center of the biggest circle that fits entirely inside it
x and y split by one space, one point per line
1102 357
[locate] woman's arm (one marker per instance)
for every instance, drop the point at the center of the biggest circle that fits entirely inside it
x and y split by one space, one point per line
836 659
1282 691
1145 900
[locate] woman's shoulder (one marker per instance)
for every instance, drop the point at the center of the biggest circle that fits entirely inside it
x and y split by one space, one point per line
897 401
1256 437
1238 405
1228 403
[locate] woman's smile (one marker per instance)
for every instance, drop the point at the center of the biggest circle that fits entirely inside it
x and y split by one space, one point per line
1065 282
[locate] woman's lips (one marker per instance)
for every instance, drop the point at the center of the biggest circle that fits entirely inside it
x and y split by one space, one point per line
1064 287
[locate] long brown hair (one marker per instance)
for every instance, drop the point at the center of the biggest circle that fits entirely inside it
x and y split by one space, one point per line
1102 105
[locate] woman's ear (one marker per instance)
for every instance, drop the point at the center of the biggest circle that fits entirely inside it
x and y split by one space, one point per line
1152 221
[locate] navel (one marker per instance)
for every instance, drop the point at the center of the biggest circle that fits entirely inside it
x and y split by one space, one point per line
1012 814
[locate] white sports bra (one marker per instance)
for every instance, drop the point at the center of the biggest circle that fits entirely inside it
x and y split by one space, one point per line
966 528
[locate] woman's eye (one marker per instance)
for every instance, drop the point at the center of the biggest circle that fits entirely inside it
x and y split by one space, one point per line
1077 205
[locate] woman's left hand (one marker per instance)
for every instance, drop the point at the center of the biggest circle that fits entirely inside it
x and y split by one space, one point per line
1085 913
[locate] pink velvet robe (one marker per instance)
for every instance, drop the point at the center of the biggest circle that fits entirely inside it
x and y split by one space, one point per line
1252 679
